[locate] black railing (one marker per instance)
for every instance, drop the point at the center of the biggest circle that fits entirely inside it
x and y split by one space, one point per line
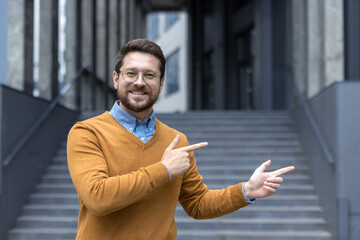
313 125
83 70
97 82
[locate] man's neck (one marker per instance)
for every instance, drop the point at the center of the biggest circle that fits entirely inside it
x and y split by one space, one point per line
139 115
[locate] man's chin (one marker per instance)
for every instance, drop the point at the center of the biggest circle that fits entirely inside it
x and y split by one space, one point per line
138 107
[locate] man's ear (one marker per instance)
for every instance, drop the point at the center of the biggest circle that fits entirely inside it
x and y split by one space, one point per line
162 83
116 79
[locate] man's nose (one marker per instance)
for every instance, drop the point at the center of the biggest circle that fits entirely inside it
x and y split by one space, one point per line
140 79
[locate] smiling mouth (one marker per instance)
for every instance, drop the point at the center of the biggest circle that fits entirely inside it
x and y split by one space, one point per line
138 93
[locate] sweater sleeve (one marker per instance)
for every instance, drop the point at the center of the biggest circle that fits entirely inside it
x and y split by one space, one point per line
199 202
101 193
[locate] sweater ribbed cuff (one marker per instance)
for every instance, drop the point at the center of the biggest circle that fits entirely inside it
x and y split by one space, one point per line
158 174
237 196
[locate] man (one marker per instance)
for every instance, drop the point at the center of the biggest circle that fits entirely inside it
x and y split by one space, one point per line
130 170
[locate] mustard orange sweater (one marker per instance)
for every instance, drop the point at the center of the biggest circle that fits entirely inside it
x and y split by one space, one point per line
125 191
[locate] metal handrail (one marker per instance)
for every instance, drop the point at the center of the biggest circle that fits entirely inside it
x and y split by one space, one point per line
314 125
44 115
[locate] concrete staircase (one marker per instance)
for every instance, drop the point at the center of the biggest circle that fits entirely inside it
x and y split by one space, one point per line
238 143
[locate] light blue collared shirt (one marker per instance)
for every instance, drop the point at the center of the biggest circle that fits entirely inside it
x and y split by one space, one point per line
144 130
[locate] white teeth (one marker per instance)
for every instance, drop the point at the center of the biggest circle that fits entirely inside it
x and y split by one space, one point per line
138 93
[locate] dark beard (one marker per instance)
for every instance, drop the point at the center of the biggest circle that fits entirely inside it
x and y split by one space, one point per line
125 101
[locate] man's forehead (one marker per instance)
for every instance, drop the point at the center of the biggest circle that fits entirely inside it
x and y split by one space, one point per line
140 57
141 61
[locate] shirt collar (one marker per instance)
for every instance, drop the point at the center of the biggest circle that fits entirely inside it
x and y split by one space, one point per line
128 121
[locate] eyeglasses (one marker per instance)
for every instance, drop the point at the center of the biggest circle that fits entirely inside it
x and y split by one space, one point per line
131 75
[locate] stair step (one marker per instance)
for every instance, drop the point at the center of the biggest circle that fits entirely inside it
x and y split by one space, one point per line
241 170
246 142
255 224
255 212
46 221
241 135
211 234
208 179
51 210
239 150
227 121
219 114
234 179
55 188
60 160
286 188
53 198
226 129
43 233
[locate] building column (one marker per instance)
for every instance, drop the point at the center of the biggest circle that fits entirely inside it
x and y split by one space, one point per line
352 39
219 55
299 53
315 41
87 52
70 100
196 52
124 22
3 41
131 19
100 49
48 57
334 41
263 81
100 38
20 45
107 47
87 32
113 39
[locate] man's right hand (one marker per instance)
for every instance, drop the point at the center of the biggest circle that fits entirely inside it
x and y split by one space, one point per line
178 160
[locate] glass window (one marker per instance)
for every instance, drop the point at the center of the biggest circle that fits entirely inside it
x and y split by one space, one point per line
153 26
172 72
170 19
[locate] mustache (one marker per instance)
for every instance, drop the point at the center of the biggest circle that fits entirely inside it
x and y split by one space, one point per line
136 89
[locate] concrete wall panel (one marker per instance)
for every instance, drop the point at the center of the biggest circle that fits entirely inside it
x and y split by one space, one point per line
337 115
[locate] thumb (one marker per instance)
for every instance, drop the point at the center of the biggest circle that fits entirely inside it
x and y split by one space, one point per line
264 166
174 143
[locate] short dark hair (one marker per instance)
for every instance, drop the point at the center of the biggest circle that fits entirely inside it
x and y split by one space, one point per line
141 45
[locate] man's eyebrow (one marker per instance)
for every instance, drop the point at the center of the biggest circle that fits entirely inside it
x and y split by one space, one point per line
134 68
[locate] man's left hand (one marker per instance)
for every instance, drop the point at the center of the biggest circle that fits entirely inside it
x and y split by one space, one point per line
263 184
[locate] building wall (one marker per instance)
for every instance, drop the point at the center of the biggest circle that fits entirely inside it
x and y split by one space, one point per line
40 59
338 118
318 53
104 28
317 44
173 42
238 54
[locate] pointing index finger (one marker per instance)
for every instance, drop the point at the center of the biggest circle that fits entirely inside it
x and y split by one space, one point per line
194 147
282 171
